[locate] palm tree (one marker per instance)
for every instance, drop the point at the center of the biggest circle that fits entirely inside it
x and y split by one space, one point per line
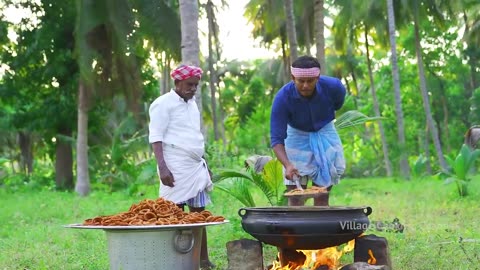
190 43
291 32
404 166
320 33
423 87
270 25
376 108
268 19
350 20
212 57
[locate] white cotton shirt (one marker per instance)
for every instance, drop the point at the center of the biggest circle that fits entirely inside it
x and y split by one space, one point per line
174 121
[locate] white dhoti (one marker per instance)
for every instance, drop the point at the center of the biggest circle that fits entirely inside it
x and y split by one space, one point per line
189 170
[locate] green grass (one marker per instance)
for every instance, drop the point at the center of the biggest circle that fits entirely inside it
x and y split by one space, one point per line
32 236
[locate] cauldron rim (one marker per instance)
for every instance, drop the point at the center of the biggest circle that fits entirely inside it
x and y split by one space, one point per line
306 208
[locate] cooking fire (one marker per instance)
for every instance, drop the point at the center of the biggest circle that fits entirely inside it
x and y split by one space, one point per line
327 258
316 238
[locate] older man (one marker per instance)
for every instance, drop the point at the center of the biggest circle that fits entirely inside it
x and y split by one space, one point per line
178 145
302 132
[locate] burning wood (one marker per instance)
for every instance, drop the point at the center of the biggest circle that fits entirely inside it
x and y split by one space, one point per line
372 259
327 258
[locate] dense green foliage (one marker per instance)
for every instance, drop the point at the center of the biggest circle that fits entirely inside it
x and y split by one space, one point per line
40 72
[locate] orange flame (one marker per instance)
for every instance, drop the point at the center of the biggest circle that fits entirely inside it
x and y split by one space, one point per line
372 259
316 258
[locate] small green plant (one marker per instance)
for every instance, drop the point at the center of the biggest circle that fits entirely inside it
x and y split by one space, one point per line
240 184
419 166
461 168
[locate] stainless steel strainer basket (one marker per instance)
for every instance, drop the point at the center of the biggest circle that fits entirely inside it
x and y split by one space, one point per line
153 247
144 249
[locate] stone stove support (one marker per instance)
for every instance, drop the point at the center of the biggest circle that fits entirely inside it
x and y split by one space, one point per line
378 247
246 254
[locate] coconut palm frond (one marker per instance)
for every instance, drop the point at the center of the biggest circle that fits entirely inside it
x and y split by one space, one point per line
240 190
253 178
353 118
258 180
227 174
273 177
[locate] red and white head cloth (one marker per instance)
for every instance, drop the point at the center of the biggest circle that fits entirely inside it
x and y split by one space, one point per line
184 72
305 72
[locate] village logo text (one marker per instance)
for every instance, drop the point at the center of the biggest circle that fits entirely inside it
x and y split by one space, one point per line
352 225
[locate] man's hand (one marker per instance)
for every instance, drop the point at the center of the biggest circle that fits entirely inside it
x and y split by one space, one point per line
166 176
291 171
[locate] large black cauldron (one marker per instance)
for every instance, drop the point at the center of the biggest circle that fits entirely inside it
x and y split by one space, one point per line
305 227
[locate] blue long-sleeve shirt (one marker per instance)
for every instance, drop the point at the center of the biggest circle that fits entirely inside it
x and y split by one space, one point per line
307 114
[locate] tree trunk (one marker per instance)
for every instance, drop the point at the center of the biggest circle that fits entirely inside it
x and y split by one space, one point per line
320 34
426 148
291 31
190 43
26 153
443 102
11 143
404 166
211 69
64 162
221 116
354 79
446 131
376 108
286 61
349 91
426 102
308 38
82 187
473 75
165 86
472 61
355 89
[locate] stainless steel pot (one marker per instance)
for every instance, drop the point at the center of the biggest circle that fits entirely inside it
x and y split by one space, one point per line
305 227
154 249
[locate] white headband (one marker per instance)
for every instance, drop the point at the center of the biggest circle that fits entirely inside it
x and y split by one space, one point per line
305 72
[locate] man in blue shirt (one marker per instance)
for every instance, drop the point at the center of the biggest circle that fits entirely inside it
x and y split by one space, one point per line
302 132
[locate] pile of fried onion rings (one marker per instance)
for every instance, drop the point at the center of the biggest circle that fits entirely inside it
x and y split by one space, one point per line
154 212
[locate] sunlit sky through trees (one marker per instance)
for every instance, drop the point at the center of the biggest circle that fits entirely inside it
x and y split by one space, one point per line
234 35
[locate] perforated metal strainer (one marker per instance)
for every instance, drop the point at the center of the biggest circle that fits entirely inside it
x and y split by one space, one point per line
153 247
